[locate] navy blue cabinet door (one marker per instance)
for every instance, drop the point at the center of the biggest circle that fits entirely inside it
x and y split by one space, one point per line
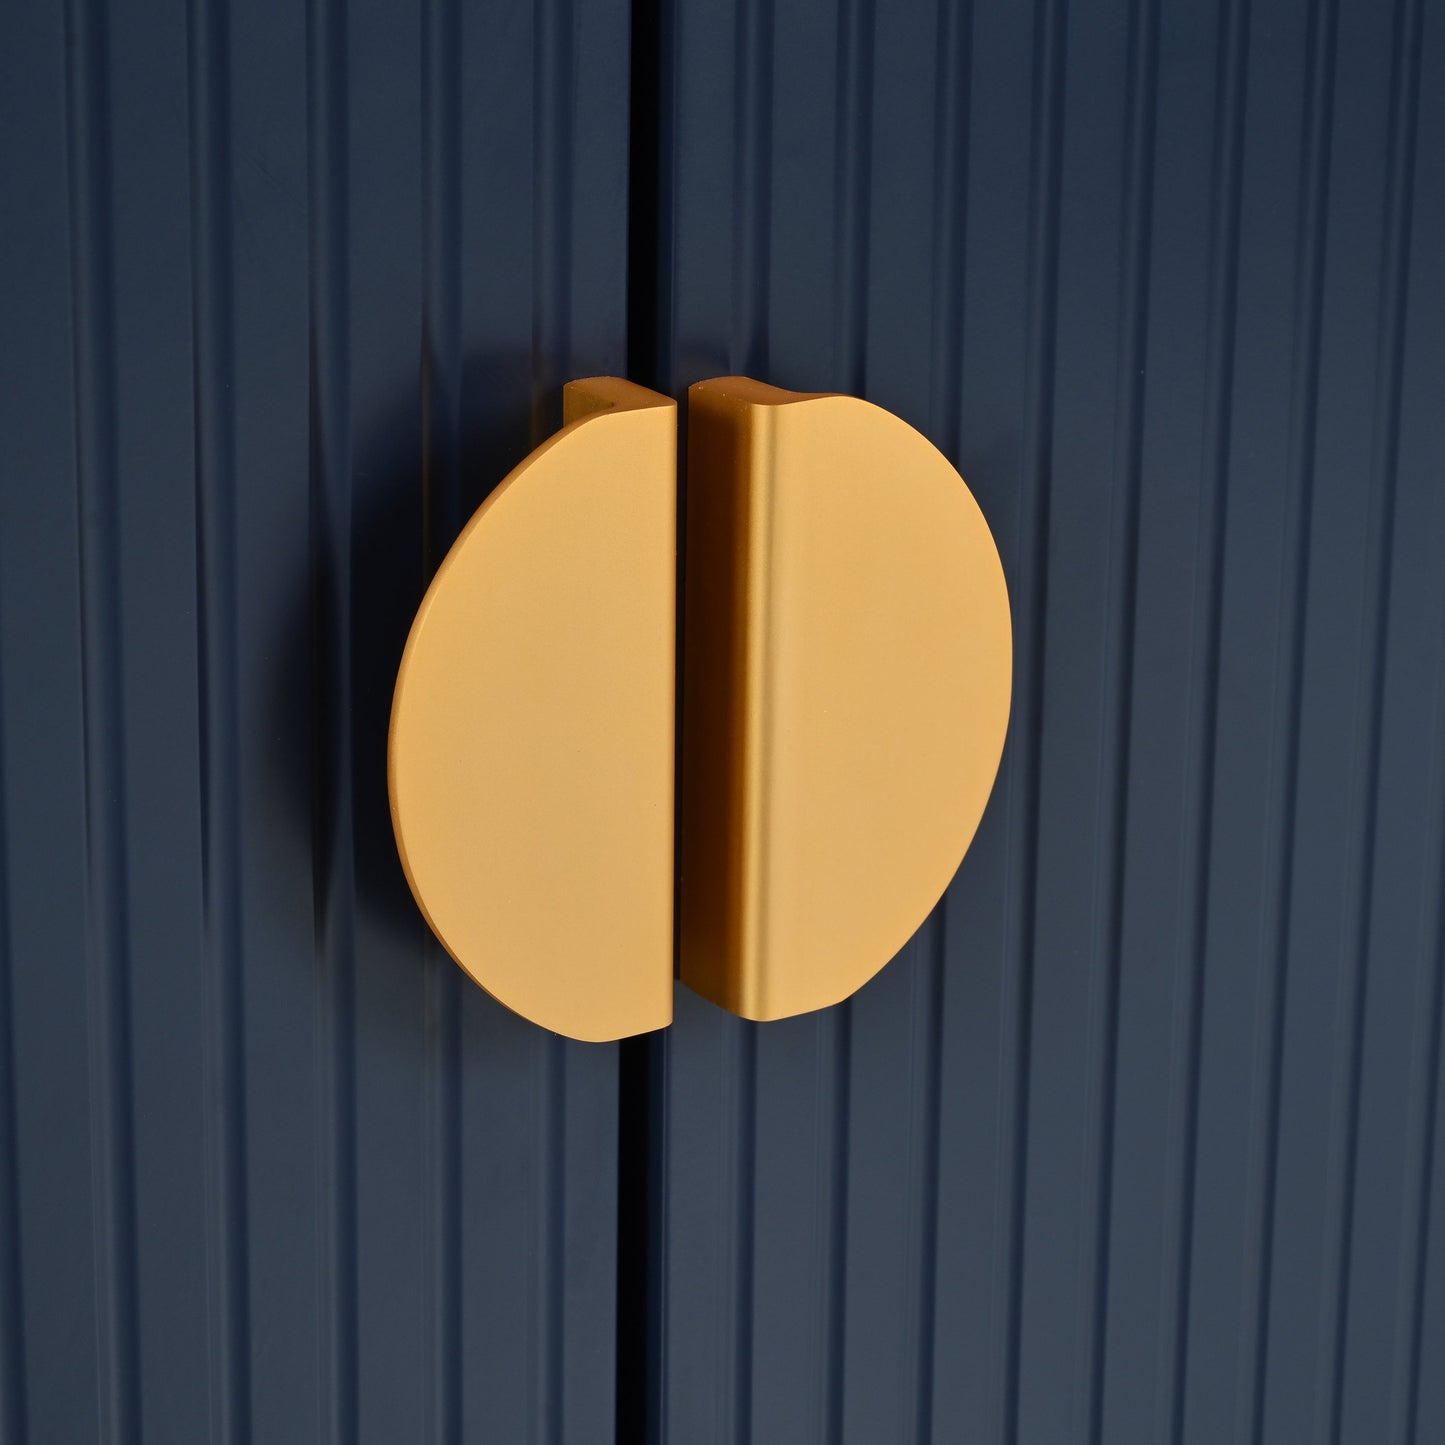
1136 1141
285 289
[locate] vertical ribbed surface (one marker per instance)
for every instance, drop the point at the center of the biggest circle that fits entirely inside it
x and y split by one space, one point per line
1138 1139
284 290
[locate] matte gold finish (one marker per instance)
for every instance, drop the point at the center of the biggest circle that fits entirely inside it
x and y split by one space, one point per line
847 666
847 675
531 747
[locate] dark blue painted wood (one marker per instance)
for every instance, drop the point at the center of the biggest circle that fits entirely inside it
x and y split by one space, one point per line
283 291
1136 1140
1139 1138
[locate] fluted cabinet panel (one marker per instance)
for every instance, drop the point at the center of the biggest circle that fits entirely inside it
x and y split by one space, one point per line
283 291
1139 1138
1136 1139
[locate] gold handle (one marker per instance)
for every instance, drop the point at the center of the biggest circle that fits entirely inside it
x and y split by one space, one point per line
846 679
530 758
847 670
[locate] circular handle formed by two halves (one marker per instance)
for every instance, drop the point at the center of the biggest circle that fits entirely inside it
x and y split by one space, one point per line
845 681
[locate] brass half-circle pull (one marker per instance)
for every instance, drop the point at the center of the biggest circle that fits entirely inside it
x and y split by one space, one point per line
846 678
530 758
847 671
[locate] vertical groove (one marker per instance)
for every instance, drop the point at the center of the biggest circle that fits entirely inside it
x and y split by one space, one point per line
532 1321
655 48
553 124
854 187
925 1125
544 229
13 1414
1419 1186
107 924
641 1065
1426 1080
1045 164
532 1314
444 1147
1419 1240
644 203
1309 271
331 732
745 1036
1231 66
836 1028
752 188
641 1182
1142 88
441 365
853 195
1394 278
752 210
550 1285
655 1280
441 358
443 1065
953 90
216 601
545 251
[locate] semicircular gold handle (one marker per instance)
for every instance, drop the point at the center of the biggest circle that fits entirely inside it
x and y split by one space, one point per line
847 672
530 758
